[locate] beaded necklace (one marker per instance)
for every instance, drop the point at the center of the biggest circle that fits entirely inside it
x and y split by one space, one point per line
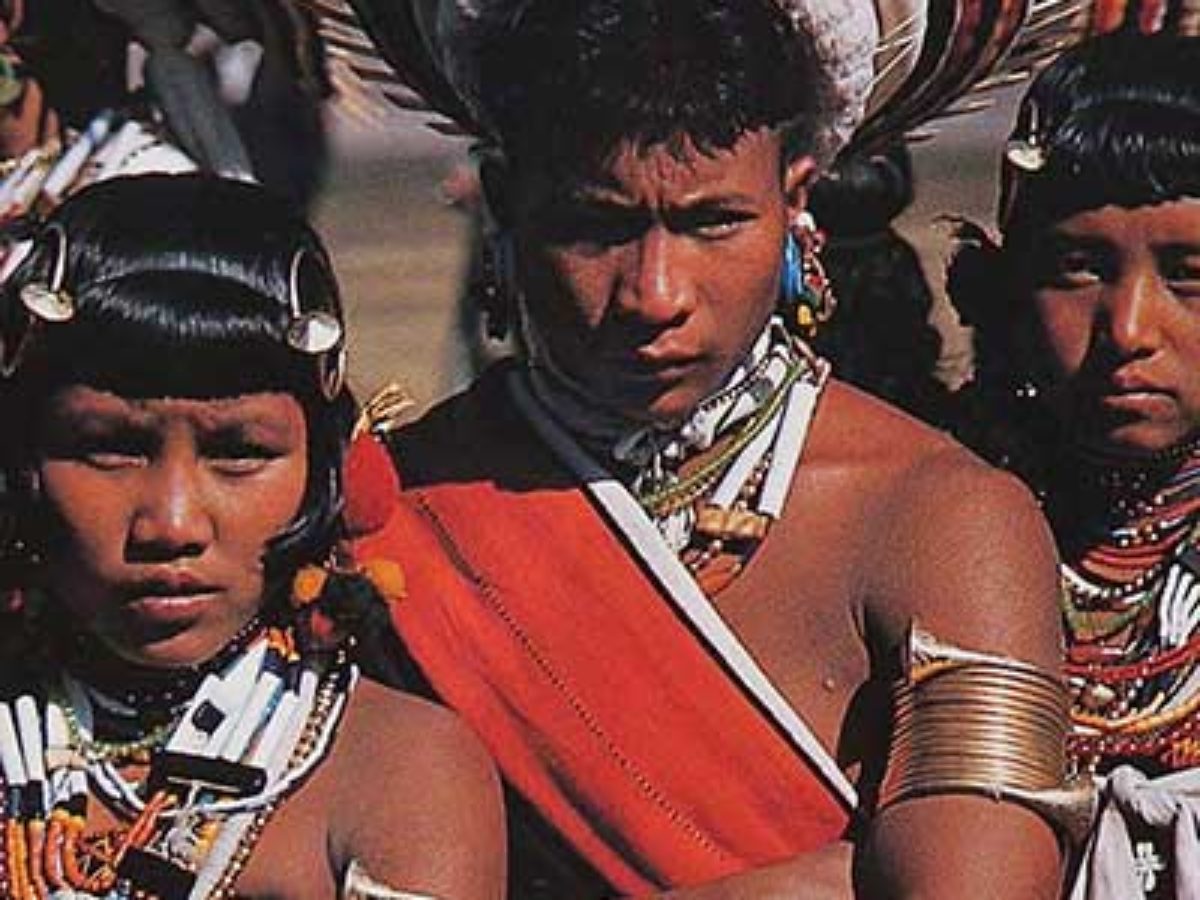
134 696
1131 606
713 484
250 735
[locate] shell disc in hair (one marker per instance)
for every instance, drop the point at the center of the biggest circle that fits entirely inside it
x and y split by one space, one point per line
314 333
1026 156
46 303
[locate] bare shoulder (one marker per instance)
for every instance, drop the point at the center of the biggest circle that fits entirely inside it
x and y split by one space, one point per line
853 428
953 543
404 765
909 468
377 712
411 741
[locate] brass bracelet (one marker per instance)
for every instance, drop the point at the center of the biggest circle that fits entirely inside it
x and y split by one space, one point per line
974 723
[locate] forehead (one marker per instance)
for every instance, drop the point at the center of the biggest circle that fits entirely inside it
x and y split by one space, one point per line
1174 222
272 409
675 171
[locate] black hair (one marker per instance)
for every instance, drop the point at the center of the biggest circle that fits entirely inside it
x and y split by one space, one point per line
861 194
182 287
570 82
1117 120
880 338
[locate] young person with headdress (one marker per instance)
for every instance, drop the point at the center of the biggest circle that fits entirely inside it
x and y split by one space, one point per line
1087 313
666 566
181 712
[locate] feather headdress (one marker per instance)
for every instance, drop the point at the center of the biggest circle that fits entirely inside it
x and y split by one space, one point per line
894 64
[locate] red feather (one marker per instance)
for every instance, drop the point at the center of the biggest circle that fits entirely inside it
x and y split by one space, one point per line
372 485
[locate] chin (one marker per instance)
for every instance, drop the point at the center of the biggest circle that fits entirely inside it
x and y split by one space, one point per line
663 414
172 651
666 407
1141 439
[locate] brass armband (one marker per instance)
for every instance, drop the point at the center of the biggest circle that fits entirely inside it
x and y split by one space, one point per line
359 885
973 723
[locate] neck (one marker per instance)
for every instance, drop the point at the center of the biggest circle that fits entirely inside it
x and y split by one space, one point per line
621 441
132 693
1107 494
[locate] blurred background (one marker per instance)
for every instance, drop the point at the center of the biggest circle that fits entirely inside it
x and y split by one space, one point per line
401 250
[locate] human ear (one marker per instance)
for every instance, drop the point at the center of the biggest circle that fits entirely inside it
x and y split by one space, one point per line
798 177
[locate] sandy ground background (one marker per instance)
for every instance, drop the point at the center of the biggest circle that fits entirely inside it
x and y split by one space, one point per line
400 251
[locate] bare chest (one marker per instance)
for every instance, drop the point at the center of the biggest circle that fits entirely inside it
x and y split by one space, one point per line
283 855
794 610
291 859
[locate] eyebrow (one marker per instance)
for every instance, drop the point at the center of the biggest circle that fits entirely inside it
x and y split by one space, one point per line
226 413
601 197
1059 240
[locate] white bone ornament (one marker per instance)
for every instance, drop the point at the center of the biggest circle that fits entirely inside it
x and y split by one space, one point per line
314 333
46 303
1025 155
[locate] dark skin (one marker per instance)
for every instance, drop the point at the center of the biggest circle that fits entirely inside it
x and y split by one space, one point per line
163 508
647 278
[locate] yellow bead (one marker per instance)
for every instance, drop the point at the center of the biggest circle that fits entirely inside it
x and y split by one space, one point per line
387 577
308 584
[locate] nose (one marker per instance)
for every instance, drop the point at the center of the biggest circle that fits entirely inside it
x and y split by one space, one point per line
172 519
658 289
1133 313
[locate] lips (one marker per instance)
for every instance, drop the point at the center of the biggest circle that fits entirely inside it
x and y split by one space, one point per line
169 596
1123 382
1130 394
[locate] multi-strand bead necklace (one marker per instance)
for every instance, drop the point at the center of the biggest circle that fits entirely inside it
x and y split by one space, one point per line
1131 606
712 484
714 487
218 766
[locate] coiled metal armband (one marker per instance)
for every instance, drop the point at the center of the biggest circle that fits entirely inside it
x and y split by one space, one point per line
973 723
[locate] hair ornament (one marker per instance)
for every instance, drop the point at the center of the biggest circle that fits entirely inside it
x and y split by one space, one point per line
1026 155
311 331
429 47
1025 149
846 36
340 598
40 302
314 333
316 330
46 303
49 300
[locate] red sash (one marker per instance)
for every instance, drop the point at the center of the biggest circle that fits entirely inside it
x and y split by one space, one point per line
530 617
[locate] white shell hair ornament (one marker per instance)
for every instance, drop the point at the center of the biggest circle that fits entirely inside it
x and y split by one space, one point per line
895 65
41 302
49 300
316 330
1025 149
